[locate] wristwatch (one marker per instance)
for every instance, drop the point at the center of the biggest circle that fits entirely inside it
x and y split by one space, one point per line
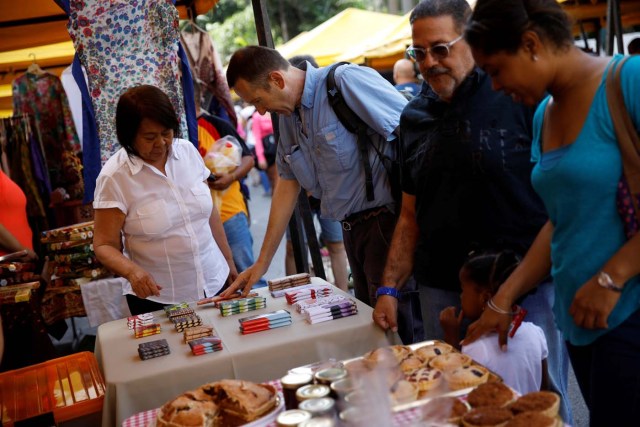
606 282
385 290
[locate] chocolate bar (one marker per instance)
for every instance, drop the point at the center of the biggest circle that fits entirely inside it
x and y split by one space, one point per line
151 349
140 320
184 322
146 330
180 312
304 305
242 305
218 299
170 308
294 296
289 281
198 332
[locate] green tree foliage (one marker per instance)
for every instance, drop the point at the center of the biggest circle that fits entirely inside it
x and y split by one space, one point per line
231 22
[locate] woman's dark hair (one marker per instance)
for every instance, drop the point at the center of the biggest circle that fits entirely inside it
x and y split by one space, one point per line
253 64
459 10
490 270
498 25
138 103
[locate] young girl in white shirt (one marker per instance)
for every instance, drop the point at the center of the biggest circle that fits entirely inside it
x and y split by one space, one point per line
523 365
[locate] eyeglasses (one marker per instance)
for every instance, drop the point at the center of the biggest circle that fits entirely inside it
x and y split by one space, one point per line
437 52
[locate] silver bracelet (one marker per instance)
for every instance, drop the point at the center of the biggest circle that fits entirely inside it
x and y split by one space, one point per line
492 305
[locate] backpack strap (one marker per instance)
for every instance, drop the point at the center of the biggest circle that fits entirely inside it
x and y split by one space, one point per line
353 124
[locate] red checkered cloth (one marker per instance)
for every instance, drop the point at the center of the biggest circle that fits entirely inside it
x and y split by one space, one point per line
143 419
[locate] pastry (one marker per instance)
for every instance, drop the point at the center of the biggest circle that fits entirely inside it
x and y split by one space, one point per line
447 409
411 363
545 402
189 409
492 393
450 361
428 352
403 391
532 419
386 356
425 378
488 416
467 376
242 401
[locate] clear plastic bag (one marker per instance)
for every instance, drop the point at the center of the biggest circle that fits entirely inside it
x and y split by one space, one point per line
224 155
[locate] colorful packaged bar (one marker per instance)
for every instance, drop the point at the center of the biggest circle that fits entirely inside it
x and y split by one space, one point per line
184 322
250 329
81 231
313 292
151 349
147 330
289 281
262 322
171 308
304 305
205 345
16 267
198 332
181 312
140 320
218 299
242 305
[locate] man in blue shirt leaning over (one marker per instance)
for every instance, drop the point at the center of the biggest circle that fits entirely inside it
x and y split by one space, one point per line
316 152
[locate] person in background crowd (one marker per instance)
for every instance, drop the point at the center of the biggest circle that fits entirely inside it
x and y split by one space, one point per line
466 186
527 48
316 152
634 46
524 366
330 230
234 212
153 192
404 76
15 232
262 130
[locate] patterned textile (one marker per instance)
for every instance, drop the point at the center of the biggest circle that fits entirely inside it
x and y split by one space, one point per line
121 44
43 97
206 67
60 303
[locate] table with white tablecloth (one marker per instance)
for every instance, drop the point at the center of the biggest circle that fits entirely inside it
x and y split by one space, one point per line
134 385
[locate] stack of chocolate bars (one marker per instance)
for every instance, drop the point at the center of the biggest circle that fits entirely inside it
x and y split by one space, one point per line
151 349
277 286
331 311
183 322
302 305
17 278
200 346
264 322
297 294
140 320
70 253
198 332
242 305
147 330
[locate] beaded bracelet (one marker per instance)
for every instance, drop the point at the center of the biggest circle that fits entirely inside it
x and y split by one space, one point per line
498 310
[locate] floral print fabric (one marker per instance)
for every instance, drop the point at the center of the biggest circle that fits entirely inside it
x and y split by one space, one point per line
125 43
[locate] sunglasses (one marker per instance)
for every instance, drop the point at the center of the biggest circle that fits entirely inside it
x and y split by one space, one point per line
437 52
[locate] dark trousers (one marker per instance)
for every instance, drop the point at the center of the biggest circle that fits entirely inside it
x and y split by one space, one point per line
367 244
142 305
608 373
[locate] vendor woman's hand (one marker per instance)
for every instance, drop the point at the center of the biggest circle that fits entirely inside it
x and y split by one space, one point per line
143 284
244 281
233 273
592 305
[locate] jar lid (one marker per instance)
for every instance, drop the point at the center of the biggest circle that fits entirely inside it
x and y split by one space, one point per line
293 381
319 422
329 375
292 417
312 391
317 406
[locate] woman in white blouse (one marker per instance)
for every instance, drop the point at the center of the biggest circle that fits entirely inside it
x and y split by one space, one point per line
155 223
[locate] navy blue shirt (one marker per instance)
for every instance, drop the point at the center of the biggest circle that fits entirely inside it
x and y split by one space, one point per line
468 164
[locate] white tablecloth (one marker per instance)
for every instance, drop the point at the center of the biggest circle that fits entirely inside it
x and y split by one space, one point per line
134 385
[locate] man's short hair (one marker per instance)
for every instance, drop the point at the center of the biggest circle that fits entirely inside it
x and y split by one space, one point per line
459 10
253 64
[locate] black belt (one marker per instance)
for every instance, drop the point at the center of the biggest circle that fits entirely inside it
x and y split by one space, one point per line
361 216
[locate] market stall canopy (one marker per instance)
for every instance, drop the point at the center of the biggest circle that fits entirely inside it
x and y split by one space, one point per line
37 30
344 32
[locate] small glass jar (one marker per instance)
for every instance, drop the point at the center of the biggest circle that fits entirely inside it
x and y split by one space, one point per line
290 385
292 418
323 407
320 422
329 375
312 391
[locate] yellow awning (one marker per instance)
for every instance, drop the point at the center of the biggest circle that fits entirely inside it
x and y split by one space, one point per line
339 35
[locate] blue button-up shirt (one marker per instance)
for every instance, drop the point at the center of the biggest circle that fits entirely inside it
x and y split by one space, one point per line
323 156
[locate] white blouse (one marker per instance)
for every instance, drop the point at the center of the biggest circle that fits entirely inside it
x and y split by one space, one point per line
166 230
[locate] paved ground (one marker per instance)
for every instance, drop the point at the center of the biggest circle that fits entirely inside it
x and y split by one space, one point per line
260 206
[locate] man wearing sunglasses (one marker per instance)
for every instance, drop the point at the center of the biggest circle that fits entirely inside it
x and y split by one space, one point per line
466 181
